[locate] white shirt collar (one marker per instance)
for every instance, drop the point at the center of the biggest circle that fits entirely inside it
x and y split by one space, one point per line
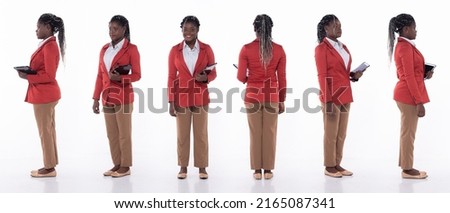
196 45
408 40
335 43
118 45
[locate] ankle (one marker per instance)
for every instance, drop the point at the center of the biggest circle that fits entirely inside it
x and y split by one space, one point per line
267 171
258 171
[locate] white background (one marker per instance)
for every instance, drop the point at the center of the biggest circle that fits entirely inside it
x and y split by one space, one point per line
371 149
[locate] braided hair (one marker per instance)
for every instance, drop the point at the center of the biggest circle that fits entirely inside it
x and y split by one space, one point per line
263 27
396 25
190 19
326 20
57 26
123 22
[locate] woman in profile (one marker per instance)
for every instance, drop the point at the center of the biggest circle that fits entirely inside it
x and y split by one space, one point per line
262 66
43 89
410 92
116 92
333 62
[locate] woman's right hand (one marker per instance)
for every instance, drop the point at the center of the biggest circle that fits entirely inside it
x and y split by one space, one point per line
329 108
96 107
172 110
420 110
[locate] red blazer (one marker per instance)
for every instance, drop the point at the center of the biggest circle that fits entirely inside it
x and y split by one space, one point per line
43 87
113 92
183 90
334 78
262 85
410 88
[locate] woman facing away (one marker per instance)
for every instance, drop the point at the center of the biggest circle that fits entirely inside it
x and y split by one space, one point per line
262 66
333 62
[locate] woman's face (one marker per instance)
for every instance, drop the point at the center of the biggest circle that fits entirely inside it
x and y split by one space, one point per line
333 29
190 32
410 32
43 31
116 32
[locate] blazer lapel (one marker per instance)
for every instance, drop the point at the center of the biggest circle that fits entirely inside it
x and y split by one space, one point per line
201 57
119 55
181 58
40 48
335 52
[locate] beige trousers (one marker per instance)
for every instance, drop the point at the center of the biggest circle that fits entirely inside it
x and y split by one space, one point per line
198 118
335 131
262 121
45 119
118 129
409 120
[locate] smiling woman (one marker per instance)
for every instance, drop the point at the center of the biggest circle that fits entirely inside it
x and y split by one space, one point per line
188 95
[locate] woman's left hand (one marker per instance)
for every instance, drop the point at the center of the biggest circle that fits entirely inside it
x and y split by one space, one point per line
281 107
22 75
115 76
201 77
429 75
357 75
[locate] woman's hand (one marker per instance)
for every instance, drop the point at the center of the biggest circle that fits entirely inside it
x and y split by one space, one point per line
115 76
22 75
96 107
429 74
201 77
420 110
172 110
281 107
329 109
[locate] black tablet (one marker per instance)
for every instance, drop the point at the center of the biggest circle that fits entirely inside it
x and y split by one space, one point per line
25 69
124 69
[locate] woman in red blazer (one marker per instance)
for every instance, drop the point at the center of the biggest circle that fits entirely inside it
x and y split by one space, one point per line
188 95
410 92
116 92
262 66
43 90
333 62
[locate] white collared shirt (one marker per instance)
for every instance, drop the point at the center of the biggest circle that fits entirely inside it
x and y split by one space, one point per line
339 47
191 55
410 41
110 53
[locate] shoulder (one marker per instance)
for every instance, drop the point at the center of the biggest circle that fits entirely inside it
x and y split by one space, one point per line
276 45
204 45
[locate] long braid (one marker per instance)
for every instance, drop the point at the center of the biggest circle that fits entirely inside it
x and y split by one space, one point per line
263 27
57 25
396 25
321 33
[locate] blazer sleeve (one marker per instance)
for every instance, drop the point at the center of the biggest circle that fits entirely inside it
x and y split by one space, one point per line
406 56
281 74
172 75
51 60
98 82
242 66
211 59
135 61
322 72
